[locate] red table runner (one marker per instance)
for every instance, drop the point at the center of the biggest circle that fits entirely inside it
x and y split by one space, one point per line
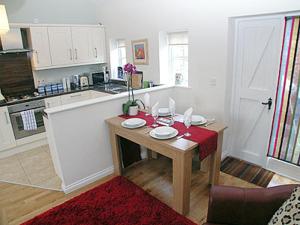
207 139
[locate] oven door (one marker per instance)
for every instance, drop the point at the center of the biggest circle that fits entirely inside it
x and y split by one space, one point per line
18 127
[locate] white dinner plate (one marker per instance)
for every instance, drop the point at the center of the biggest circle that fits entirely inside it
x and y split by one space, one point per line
133 123
198 120
164 131
153 134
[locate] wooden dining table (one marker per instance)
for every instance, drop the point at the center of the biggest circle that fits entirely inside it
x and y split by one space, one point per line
179 150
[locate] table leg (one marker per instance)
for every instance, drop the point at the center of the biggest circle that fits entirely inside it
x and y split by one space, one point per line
115 148
182 171
215 162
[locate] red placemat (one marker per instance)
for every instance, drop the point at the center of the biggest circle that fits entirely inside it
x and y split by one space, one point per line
207 139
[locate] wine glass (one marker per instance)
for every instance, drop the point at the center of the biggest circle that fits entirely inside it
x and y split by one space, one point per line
155 116
187 123
172 113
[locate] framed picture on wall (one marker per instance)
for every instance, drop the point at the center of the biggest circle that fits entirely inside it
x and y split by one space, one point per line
140 52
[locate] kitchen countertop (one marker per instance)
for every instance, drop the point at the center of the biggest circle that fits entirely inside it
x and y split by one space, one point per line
113 97
111 88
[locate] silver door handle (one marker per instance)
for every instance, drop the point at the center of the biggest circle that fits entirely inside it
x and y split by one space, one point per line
76 56
37 57
6 117
73 96
96 52
71 56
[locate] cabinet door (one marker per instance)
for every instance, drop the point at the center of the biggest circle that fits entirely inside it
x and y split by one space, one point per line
52 102
7 138
40 45
81 44
98 48
61 48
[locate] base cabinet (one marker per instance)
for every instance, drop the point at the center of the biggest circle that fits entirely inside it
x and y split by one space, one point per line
52 102
7 138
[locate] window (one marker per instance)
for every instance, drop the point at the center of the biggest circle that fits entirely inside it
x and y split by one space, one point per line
178 57
117 57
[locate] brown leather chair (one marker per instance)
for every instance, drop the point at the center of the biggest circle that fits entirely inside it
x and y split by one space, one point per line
245 206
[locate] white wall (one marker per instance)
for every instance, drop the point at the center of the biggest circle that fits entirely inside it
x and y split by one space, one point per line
207 23
79 137
56 75
51 11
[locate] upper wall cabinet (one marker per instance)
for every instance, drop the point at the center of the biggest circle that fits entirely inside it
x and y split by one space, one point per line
62 46
98 44
40 45
81 44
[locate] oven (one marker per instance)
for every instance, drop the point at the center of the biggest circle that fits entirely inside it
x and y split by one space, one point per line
38 107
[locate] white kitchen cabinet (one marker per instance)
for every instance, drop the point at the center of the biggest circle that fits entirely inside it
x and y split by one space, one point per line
61 46
81 44
64 46
7 138
97 44
40 45
75 97
53 102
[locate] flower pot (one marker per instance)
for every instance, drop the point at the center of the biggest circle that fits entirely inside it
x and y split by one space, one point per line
133 110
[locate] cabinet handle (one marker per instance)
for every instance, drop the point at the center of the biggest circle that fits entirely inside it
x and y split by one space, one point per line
6 117
73 96
76 56
71 56
37 57
96 52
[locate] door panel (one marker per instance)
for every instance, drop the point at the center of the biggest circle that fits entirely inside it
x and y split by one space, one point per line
98 44
61 45
258 46
40 45
7 138
81 44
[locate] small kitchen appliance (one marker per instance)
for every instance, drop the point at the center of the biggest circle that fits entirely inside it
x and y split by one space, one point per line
84 81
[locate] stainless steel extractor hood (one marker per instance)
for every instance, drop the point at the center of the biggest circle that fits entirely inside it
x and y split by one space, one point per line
13 41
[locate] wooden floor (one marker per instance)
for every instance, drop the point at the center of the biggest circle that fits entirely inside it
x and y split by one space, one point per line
20 203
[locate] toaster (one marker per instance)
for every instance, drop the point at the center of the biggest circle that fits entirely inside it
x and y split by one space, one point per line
84 81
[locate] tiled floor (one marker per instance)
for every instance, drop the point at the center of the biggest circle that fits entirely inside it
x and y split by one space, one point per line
33 167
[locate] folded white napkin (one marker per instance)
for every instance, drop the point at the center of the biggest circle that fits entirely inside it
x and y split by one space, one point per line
172 106
154 109
28 119
147 100
188 115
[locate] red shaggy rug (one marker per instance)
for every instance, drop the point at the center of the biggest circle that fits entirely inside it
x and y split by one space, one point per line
117 202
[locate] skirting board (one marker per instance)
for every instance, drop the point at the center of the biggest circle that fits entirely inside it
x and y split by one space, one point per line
284 169
85 181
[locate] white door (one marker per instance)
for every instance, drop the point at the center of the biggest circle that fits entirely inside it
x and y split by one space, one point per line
98 49
7 138
40 45
258 43
81 44
61 48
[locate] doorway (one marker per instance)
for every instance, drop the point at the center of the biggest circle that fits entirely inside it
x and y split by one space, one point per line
256 68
